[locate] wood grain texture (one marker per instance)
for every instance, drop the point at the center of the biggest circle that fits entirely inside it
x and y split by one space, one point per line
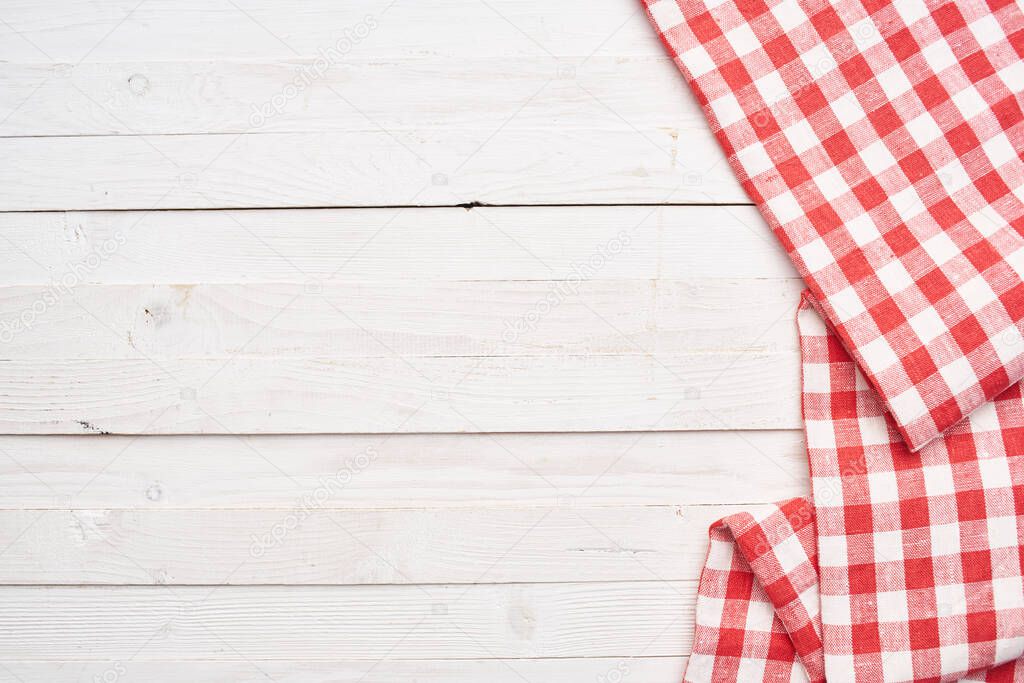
731 390
606 669
72 30
430 441
451 244
406 120
404 96
308 545
387 345
394 471
382 319
341 168
653 618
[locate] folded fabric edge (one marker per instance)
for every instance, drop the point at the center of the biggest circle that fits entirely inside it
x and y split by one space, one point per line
757 601
808 300
917 424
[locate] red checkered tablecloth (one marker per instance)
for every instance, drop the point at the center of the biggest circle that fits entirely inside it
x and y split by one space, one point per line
758 605
881 140
904 567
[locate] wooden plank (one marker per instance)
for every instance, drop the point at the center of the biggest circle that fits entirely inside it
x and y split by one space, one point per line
516 103
363 319
362 129
735 390
600 669
687 322
72 30
486 243
517 122
511 165
398 95
402 470
309 545
652 618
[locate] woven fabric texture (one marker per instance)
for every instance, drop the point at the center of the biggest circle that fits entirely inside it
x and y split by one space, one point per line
880 141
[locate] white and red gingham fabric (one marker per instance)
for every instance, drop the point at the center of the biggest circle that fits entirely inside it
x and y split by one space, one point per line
758 607
881 140
905 567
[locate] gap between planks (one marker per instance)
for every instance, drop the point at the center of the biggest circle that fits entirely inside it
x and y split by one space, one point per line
466 206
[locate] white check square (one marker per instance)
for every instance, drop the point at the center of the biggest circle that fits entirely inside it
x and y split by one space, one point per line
816 378
950 600
789 15
785 207
742 39
938 481
709 611
927 325
883 488
801 136
878 354
958 374
894 277
666 14
970 102
847 304
820 434
977 293
924 130
863 229
945 539
877 157
754 159
831 184
1002 532
938 55
1000 150
987 31
892 607
727 110
911 11
908 406
940 248
816 255
894 81
772 88
696 59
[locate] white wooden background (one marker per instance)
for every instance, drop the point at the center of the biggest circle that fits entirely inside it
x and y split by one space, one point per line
434 367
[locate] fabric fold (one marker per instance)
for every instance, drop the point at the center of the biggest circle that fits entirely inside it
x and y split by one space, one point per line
908 567
919 555
881 141
757 612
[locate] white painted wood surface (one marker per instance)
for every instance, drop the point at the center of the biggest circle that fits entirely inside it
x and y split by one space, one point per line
410 471
331 671
366 103
279 400
574 542
640 618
